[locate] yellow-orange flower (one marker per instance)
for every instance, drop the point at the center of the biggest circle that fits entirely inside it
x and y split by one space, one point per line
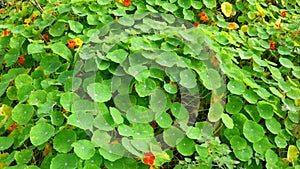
26 25
27 21
78 42
232 26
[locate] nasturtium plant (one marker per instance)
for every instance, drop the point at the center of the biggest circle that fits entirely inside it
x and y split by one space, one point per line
159 84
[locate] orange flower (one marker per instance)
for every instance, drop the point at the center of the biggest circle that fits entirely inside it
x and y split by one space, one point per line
12 127
6 33
71 43
126 3
232 26
283 13
21 60
2 11
272 45
149 158
202 14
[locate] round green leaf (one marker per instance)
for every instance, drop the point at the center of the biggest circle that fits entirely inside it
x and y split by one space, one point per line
210 3
139 114
187 79
117 56
185 3
50 64
24 92
126 20
57 29
234 105
6 142
286 62
236 87
112 152
186 147
244 154
262 146
62 50
23 156
164 120
63 140
227 121
41 133
22 80
172 136
253 131
84 149
280 141
179 111
168 59
68 161
22 113
215 112
211 78
101 138
75 26
238 143
250 96
273 125
116 115
12 93
146 87
99 92
158 101
170 88
284 50
271 157
37 97
169 7
265 109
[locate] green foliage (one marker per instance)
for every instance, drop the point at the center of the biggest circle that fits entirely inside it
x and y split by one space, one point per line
99 84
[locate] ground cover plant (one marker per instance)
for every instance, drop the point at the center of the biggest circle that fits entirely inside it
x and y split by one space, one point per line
149 84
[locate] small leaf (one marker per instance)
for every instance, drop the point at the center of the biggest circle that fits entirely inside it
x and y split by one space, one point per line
23 156
99 92
41 133
22 80
236 87
34 48
234 105
101 138
265 109
164 120
210 3
238 143
68 161
187 79
57 29
116 115
6 142
170 88
158 101
286 62
63 140
215 112
172 136
139 114
244 154
273 125
185 3
186 147
22 113
253 131
117 56
62 50
168 59
211 78
84 149
271 157
227 121
226 8
75 26
280 141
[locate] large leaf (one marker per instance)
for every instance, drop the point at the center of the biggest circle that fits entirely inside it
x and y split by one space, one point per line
62 50
41 133
253 131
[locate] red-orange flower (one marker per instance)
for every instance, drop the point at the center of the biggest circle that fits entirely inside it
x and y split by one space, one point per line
283 13
12 127
196 25
46 35
126 3
272 45
203 17
71 43
6 33
149 158
21 60
232 26
2 11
